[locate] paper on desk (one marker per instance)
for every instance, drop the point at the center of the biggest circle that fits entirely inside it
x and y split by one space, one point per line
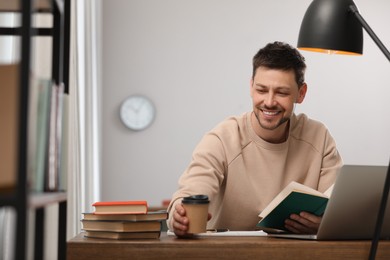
258 233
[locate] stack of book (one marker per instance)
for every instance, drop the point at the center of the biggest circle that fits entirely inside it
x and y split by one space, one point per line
123 220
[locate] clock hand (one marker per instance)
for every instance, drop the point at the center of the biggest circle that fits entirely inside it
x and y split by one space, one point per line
139 106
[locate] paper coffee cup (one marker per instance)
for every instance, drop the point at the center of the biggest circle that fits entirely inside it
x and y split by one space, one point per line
197 208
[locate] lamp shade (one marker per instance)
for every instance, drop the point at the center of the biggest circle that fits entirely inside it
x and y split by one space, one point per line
329 26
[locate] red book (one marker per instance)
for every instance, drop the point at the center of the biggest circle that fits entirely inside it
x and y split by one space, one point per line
121 207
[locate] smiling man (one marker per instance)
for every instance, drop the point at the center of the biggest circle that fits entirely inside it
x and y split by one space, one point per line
246 160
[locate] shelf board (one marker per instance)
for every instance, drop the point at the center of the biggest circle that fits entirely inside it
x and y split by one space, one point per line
14 5
35 200
40 200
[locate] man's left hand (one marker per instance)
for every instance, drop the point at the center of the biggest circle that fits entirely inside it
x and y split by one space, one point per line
304 223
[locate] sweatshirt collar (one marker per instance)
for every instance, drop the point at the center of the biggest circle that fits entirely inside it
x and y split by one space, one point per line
271 146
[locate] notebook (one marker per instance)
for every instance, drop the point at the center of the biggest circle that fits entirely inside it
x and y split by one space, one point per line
353 207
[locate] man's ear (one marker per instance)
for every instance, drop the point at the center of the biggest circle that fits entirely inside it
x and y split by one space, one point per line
301 93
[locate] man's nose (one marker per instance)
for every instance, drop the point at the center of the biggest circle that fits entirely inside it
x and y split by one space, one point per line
270 100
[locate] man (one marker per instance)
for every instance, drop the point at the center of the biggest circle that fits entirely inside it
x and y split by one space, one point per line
245 161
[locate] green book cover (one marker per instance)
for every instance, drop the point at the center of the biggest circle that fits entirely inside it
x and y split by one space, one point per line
42 131
295 202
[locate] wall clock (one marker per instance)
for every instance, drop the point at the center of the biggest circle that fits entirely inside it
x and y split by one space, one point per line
137 112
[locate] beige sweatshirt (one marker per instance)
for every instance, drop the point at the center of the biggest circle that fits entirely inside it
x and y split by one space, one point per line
241 173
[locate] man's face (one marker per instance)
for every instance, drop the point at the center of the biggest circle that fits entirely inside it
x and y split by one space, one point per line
274 93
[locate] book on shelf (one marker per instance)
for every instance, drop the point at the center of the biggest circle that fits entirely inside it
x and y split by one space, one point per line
45 134
54 143
121 207
58 132
121 226
293 199
9 118
38 131
122 235
32 131
64 144
149 216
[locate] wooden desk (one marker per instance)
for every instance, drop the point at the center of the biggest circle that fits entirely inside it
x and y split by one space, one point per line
168 247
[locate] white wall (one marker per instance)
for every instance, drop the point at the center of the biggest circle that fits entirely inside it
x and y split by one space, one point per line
193 59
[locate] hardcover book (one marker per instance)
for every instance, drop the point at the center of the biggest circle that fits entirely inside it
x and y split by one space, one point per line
294 198
121 207
52 173
122 235
149 216
121 226
41 92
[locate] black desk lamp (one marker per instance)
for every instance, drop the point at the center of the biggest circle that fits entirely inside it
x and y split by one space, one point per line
335 27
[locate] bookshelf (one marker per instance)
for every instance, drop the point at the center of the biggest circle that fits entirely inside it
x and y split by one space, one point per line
15 191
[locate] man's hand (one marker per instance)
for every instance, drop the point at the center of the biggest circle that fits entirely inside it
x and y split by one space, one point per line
180 222
304 223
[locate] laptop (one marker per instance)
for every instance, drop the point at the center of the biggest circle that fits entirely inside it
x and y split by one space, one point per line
353 206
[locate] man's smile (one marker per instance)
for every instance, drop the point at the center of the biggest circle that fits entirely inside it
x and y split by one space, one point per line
270 113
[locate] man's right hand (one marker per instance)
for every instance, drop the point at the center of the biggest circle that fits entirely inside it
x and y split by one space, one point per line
180 222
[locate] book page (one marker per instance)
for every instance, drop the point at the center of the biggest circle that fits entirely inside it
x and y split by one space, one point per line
293 186
328 192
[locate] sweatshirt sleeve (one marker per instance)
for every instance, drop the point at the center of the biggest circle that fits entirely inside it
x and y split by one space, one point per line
331 163
204 174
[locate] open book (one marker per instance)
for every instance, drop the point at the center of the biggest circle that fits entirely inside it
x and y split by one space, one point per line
294 198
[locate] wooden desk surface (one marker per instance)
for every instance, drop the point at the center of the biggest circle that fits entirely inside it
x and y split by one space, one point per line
169 247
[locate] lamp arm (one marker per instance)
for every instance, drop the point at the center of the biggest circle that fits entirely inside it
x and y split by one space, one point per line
386 188
381 215
359 17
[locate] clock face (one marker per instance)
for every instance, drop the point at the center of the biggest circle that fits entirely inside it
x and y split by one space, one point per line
137 112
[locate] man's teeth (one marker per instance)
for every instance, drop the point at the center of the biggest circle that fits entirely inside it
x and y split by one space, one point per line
269 113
